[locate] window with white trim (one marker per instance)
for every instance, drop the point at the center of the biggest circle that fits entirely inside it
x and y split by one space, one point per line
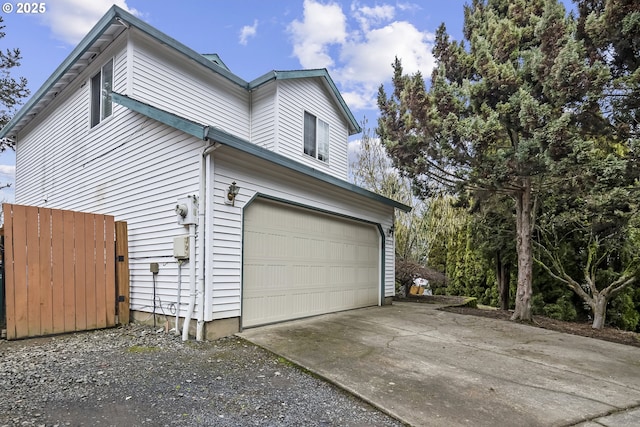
316 137
101 87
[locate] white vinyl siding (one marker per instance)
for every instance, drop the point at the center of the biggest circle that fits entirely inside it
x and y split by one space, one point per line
59 139
133 168
264 122
265 179
166 80
295 96
292 98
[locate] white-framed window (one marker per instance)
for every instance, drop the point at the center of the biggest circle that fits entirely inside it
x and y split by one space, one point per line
316 137
101 87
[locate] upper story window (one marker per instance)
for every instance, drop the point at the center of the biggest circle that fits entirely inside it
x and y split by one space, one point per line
101 87
316 137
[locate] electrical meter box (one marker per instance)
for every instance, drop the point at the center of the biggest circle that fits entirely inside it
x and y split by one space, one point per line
187 210
181 247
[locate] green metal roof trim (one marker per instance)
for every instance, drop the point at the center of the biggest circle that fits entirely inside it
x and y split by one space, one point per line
207 132
301 74
116 15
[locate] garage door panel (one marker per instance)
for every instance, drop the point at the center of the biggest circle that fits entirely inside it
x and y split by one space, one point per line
300 263
287 305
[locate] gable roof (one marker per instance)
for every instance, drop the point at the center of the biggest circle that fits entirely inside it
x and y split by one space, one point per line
214 134
108 28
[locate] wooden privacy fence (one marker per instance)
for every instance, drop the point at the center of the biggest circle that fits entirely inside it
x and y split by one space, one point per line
60 271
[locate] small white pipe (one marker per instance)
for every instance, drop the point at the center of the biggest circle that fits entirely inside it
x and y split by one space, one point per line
178 296
192 281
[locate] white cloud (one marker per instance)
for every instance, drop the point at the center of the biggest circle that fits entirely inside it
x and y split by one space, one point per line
248 31
368 16
7 171
359 49
71 20
369 61
322 26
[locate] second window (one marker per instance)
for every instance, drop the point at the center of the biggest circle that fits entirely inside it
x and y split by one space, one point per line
316 137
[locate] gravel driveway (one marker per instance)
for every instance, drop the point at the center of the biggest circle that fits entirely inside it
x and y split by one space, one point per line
133 376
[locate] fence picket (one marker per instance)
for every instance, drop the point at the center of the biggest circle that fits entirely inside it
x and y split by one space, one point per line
45 261
69 277
9 278
57 271
99 273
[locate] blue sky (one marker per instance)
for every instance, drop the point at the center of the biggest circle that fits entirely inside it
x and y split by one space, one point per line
356 40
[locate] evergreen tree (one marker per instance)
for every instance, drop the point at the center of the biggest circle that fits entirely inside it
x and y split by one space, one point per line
610 30
12 91
497 114
494 235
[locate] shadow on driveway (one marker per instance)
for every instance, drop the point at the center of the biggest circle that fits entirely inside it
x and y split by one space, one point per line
432 368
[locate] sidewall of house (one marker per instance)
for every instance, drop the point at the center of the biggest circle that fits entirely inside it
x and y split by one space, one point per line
130 166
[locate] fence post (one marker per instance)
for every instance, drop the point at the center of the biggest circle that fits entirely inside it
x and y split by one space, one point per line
122 272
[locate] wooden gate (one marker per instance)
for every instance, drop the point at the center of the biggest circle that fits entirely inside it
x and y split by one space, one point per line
60 271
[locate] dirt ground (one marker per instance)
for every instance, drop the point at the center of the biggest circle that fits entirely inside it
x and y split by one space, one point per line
576 328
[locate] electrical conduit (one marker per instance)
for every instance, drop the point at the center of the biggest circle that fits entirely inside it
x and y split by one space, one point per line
192 282
178 296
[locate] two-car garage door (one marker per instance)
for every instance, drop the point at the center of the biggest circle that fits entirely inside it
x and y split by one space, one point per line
299 263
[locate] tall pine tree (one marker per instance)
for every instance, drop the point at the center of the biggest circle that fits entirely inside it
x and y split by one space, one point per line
498 112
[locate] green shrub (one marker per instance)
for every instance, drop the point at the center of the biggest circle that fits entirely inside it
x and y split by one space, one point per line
622 312
561 309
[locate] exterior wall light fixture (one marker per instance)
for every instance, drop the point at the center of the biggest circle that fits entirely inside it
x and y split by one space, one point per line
232 192
391 230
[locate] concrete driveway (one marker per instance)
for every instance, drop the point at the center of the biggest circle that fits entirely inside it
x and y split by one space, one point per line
432 368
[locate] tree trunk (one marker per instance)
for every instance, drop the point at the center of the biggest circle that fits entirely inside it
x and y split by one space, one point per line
503 275
599 311
525 253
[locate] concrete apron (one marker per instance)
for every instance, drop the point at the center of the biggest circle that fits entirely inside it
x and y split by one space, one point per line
432 368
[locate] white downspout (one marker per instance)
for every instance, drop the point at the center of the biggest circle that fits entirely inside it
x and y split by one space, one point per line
203 243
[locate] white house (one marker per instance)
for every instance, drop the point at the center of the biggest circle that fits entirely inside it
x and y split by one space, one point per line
136 125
